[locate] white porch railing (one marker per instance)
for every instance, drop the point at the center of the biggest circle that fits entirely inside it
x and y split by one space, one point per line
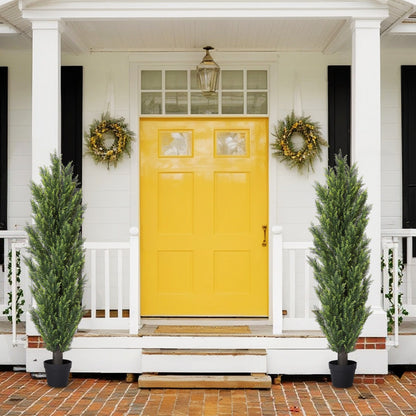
293 295
111 294
14 241
393 240
112 287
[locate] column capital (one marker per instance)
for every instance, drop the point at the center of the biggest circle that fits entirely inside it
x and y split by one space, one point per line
365 24
56 24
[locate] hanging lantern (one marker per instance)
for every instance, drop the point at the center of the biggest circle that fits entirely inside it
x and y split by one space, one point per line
208 73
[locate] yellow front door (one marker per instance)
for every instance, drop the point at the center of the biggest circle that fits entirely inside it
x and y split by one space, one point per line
203 193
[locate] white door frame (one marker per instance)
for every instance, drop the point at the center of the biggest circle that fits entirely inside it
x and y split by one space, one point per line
180 60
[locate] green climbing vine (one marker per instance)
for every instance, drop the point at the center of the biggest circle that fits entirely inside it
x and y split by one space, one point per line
19 291
389 295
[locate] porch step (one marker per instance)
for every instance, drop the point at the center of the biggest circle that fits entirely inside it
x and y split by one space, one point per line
254 381
204 361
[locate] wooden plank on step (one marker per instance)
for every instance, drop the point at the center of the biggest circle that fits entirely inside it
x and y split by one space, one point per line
262 381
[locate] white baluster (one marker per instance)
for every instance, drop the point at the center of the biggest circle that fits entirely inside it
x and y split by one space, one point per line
292 284
134 281
14 294
93 283
386 244
277 280
396 289
307 284
107 283
120 283
410 269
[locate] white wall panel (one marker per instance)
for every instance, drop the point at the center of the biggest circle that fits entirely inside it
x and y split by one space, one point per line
97 360
10 355
294 361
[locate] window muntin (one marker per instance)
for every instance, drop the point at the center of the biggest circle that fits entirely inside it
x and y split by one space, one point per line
176 92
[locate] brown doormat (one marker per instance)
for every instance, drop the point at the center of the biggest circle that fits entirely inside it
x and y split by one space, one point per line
202 329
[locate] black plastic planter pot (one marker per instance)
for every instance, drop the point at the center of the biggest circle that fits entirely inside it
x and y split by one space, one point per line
57 375
342 376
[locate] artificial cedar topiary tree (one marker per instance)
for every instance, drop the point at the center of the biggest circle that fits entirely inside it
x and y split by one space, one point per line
341 257
57 256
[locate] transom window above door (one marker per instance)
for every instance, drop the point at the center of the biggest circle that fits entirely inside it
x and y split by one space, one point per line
242 91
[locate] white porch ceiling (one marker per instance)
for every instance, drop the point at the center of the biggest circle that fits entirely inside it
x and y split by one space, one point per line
11 17
190 34
398 10
263 32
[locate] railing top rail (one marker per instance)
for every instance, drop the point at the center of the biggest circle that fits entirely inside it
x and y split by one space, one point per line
13 234
399 232
106 245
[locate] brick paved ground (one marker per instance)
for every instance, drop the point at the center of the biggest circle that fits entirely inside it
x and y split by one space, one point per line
22 395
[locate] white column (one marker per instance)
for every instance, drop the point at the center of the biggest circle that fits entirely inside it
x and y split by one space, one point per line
46 93
366 134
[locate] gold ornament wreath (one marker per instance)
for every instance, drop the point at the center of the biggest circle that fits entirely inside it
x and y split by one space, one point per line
104 129
304 155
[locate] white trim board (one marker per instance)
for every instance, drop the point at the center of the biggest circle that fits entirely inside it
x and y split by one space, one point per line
119 360
55 9
241 60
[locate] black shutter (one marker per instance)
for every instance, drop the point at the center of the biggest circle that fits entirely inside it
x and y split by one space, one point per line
3 155
408 80
71 119
339 112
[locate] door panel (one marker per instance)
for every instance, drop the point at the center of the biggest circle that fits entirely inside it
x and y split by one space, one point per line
204 201
231 195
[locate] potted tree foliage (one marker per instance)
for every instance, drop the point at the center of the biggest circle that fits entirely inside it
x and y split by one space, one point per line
55 263
340 264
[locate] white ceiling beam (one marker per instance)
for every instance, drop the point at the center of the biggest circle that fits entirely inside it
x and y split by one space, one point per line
53 9
342 36
7 30
6 2
12 27
404 29
398 21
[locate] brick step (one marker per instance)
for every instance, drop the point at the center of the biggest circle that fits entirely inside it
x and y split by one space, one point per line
167 381
204 361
